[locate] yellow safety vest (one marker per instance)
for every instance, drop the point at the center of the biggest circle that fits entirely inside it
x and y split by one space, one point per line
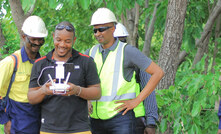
20 86
113 85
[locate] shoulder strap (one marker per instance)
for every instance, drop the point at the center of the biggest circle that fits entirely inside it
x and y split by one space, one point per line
13 75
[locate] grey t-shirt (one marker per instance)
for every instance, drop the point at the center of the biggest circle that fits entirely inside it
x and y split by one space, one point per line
133 59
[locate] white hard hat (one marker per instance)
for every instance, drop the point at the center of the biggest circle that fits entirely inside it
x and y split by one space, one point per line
34 26
120 31
102 16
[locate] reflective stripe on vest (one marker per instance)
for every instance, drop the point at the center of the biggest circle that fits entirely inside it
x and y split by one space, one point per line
117 68
113 85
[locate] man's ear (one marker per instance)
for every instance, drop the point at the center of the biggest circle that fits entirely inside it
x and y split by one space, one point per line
23 36
113 29
74 40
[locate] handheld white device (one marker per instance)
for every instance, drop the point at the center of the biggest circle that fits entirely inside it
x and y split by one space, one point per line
59 88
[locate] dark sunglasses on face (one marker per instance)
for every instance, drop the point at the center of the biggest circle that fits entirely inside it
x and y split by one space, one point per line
101 29
40 40
61 27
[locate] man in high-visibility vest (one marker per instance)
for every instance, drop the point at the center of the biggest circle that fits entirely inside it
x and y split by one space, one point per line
147 124
114 112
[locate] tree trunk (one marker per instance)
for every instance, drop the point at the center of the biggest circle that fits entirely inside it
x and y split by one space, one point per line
217 35
147 21
149 32
133 23
182 56
206 50
18 16
200 43
173 36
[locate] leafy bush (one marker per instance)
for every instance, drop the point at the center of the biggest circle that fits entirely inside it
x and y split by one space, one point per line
12 38
188 106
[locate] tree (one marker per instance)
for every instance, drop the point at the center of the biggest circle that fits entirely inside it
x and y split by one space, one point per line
149 31
202 43
172 41
19 16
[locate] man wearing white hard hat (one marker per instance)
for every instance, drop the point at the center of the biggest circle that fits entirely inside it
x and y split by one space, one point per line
115 111
121 32
22 117
145 125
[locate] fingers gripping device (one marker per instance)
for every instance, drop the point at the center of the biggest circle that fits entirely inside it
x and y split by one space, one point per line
59 88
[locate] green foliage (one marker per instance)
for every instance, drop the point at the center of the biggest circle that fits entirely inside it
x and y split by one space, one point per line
159 27
53 4
11 35
161 16
1 129
188 106
78 12
66 11
27 4
196 16
85 4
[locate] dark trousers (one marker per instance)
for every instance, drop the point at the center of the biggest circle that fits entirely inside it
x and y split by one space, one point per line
119 124
25 118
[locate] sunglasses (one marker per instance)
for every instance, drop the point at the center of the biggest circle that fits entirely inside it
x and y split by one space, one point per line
101 29
61 27
40 40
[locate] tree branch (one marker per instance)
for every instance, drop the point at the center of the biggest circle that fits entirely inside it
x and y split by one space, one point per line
149 32
136 22
130 24
217 35
105 3
208 27
208 6
31 9
182 56
18 15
